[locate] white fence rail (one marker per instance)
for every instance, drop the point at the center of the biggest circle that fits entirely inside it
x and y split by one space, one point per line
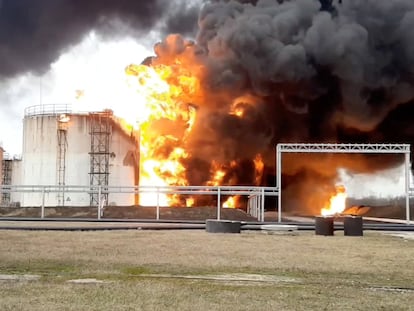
256 205
256 195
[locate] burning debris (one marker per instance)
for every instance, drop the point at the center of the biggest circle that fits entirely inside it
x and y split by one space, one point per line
231 202
337 203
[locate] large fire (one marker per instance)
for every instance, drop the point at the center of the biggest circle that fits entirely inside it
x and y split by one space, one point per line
164 99
337 202
165 119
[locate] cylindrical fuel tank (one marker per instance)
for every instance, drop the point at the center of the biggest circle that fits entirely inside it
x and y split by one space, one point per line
61 147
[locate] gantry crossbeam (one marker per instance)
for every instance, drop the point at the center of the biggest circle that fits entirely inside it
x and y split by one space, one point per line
344 148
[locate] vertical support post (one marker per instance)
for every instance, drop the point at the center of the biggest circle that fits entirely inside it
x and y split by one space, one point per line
158 203
218 203
42 213
252 206
279 182
256 207
99 202
263 206
248 205
407 187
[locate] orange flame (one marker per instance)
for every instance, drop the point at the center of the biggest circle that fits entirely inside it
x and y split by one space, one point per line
167 113
189 202
231 202
337 202
259 168
217 173
164 122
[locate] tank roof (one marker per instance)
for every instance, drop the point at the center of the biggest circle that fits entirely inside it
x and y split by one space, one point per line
58 109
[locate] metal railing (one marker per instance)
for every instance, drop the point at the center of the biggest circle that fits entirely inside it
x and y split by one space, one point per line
48 109
255 195
256 205
259 193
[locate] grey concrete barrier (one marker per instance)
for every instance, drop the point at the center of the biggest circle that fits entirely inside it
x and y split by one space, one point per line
222 226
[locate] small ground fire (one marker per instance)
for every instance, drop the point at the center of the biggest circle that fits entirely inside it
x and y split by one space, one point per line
337 202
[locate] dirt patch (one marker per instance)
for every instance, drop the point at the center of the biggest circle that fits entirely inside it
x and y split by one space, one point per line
18 277
230 278
86 281
404 235
393 289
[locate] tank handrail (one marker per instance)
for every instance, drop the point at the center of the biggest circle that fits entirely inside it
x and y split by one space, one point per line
48 109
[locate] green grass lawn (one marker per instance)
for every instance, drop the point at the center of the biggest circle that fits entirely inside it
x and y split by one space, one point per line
195 270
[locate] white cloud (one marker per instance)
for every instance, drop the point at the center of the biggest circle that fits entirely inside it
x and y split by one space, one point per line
384 184
95 66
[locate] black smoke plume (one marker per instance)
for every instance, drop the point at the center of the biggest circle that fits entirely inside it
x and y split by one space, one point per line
319 71
300 70
34 33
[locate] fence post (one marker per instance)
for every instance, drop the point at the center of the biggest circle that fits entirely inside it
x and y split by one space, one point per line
158 203
42 213
248 205
218 203
279 182
99 202
407 188
263 205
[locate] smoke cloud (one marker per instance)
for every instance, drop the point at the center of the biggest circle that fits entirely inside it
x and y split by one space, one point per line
299 53
299 70
315 71
33 34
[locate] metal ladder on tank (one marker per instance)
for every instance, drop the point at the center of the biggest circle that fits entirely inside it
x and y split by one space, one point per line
61 160
100 132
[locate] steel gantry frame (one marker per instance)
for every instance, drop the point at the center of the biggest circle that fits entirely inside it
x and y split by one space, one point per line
344 148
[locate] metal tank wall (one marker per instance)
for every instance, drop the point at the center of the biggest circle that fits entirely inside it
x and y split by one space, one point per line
56 153
123 164
1 164
39 156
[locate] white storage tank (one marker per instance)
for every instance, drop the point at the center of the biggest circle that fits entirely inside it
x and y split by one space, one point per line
64 148
1 164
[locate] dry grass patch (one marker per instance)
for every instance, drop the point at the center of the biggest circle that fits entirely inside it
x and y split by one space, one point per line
195 270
